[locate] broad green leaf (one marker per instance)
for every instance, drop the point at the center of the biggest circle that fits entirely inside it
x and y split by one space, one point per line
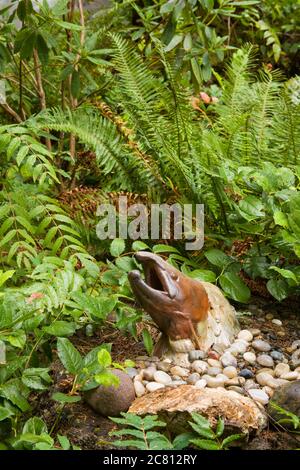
35 426
203 275
278 288
61 328
217 257
234 287
117 247
286 273
139 246
232 438
69 356
5 413
63 398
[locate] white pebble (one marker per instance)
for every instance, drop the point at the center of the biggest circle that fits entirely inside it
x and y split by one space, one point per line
246 335
250 357
214 382
281 369
230 372
259 395
213 371
200 383
139 388
153 386
199 366
238 381
263 378
277 322
290 375
240 345
162 377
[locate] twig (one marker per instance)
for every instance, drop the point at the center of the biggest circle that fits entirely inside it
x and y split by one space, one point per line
10 111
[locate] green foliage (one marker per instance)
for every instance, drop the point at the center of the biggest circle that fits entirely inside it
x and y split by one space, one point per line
144 434
141 432
284 417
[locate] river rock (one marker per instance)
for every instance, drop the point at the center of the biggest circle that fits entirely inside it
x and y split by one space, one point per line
176 405
213 371
201 383
199 366
162 377
193 378
230 372
148 374
249 357
290 376
261 345
214 382
287 397
246 373
277 355
281 369
111 401
295 359
153 386
228 359
277 322
165 366
246 335
259 396
179 371
265 360
139 388
214 363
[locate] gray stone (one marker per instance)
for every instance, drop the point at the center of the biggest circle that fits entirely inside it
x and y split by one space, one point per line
265 360
295 358
111 401
261 345
131 371
148 374
199 366
277 356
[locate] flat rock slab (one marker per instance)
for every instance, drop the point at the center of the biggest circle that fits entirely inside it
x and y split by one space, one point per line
175 404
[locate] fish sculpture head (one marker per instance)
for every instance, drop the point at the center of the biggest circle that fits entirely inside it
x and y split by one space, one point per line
176 302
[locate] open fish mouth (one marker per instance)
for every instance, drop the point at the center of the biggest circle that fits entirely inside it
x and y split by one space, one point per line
157 280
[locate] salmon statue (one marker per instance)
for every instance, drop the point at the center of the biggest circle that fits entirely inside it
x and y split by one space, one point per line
190 314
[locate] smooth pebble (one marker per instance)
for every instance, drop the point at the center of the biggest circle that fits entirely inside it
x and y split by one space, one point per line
153 386
265 360
201 383
246 335
230 372
199 366
139 388
162 377
259 395
277 322
249 357
179 371
261 345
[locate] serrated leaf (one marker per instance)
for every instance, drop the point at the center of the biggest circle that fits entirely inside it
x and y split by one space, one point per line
104 358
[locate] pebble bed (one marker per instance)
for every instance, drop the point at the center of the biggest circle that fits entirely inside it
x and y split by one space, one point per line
250 366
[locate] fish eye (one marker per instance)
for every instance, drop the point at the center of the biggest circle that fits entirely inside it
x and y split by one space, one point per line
174 276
